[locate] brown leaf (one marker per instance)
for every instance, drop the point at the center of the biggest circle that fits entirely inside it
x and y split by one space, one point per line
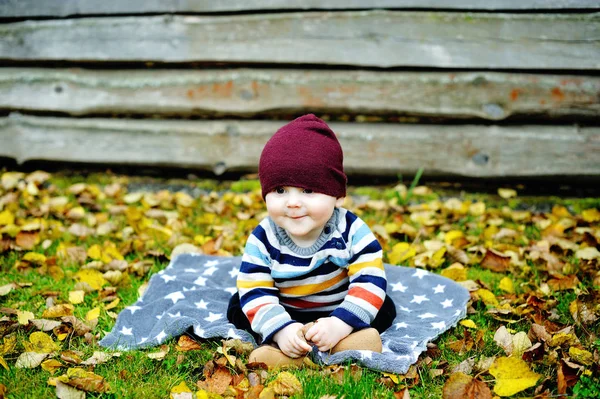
286 384
186 343
462 386
495 261
79 326
563 283
27 239
567 377
218 382
86 381
403 394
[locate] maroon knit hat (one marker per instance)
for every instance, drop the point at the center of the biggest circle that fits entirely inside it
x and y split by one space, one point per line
304 153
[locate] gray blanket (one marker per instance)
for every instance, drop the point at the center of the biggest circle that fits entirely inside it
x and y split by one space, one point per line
194 290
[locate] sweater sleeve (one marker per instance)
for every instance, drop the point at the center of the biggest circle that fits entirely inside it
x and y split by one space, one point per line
259 298
367 280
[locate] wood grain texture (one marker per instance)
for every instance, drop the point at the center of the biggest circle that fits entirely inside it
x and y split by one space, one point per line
228 145
246 92
376 38
65 8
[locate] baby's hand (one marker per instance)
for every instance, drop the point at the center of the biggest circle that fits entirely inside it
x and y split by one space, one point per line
327 332
290 342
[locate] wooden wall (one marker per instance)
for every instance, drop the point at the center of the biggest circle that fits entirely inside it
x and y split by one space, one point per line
492 90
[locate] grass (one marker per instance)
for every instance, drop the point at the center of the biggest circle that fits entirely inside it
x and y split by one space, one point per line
135 375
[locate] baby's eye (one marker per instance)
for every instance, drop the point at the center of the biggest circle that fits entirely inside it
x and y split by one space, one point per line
279 190
307 191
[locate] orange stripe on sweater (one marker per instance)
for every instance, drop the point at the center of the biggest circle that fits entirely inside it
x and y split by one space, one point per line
252 312
366 295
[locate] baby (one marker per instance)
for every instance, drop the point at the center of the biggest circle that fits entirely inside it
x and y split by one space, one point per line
310 259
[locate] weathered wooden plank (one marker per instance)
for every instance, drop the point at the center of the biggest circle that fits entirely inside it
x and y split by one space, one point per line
465 150
244 92
363 38
64 8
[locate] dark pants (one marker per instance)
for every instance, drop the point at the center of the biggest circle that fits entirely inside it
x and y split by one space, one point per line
384 319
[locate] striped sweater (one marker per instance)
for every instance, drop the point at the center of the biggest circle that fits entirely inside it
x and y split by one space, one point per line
341 273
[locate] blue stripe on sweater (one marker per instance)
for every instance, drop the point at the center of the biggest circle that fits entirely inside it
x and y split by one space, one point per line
373 247
377 281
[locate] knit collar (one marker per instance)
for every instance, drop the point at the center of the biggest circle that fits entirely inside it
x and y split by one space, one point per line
285 240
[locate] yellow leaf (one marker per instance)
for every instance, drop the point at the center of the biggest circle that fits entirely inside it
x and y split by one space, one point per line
94 252
487 297
452 235
202 394
6 218
438 257
401 252
456 272
182 387
588 253
468 323
512 376
76 297
581 356
393 377
113 304
40 342
506 285
51 365
110 253
589 215
286 384
4 364
9 344
65 309
477 209
62 336
93 314
507 193
93 277
23 317
36 258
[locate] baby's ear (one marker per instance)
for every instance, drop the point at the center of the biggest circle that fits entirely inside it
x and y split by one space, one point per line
340 201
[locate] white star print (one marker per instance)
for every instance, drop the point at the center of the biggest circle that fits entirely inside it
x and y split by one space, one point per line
440 325
178 314
457 313
385 347
210 271
201 304
199 332
211 263
200 281
161 336
419 299
175 296
213 317
399 287
126 331
403 357
401 325
168 278
144 339
366 354
439 289
414 345
133 308
404 309
231 290
233 334
234 272
160 316
407 336
420 273
190 270
427 316
447 303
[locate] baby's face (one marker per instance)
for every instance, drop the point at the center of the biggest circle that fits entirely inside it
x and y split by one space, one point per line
301 213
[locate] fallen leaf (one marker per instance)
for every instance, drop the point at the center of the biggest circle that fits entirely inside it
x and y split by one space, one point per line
92 277
51 365
588 253
40 342
24 317
506 285
58 311
495 261
462 386
286 384
185 343
455 271
5 289
468 323
512 376
84 380
507 193
29 360
64 391
581 356
93 314
401 252
181 391
217 382
76 297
